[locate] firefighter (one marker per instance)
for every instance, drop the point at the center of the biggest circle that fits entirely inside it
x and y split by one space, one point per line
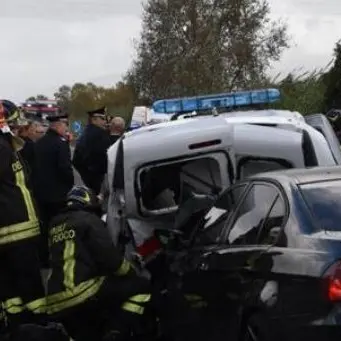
52 175
90 156
21 289
90 275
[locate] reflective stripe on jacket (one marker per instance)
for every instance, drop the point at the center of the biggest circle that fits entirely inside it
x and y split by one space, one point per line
18 219
82 255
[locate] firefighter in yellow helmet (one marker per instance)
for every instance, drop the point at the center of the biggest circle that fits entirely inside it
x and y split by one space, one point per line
21 289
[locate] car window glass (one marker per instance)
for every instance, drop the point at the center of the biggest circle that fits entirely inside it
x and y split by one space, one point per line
252 167
273 222
323 201
202 175
251 214
215 220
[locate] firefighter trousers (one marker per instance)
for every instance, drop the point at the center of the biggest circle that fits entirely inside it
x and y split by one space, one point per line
22 293
122 305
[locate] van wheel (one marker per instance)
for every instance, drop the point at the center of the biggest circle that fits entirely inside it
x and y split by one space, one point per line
255 328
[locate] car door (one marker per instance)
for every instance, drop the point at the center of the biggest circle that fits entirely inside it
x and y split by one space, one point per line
321 124
242 251
190 264
289 272
204 287
220 266
228 240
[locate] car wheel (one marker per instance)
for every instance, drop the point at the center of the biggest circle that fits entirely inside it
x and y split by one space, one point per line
255 328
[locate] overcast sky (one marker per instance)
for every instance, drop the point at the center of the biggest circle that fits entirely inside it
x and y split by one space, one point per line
47 43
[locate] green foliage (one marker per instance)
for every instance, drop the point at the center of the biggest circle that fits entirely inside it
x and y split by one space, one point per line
80 98
314 92
332 81
303 93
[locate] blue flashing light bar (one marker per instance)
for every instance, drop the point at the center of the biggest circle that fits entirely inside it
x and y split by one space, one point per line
225 100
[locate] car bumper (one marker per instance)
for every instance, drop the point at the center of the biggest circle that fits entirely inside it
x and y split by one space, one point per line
321 329
332 319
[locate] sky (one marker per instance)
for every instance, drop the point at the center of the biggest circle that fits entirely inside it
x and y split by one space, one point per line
48 43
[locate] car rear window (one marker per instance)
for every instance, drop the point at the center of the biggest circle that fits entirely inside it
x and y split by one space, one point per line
324 202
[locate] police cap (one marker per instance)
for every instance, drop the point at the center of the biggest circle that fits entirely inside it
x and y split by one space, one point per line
101 112
57 118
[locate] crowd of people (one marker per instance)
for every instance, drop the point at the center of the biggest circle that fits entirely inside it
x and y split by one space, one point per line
50 226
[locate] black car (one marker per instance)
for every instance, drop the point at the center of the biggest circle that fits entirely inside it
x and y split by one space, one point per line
267 256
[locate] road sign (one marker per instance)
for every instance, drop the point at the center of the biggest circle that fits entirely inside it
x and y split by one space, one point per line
76 127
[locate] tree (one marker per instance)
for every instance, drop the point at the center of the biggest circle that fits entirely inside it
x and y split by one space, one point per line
332 80
41 98
201 46
80 98
63 97
37 98
303 93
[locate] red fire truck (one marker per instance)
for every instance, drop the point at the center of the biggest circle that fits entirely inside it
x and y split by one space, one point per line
40 109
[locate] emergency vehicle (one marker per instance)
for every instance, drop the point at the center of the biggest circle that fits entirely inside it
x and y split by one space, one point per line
40 109
150 168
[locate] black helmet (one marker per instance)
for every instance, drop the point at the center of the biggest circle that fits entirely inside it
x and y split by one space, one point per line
82 195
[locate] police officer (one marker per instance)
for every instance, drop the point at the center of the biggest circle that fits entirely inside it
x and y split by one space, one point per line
89 274
52 174
26 129
29 132
90 156
21 290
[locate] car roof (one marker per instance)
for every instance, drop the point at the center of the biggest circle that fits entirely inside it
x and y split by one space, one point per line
206 123
176 136
174 140
169 130
284 114
250 116
301 176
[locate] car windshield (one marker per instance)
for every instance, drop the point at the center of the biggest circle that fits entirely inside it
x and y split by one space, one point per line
324 202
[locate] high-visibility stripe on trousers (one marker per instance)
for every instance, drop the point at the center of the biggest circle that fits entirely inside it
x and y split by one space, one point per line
16 305
135 304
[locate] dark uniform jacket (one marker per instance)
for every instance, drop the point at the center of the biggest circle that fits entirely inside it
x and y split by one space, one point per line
52 173
28 152
114 138
18 215
28 156
90 156
82 255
